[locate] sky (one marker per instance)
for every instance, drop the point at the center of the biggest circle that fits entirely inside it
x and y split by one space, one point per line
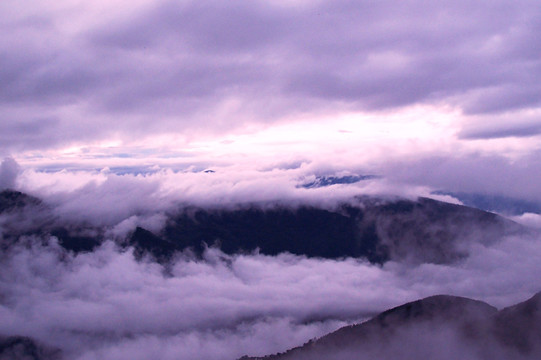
115 112
442 95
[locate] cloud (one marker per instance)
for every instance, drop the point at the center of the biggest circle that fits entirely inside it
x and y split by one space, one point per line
529 219
118 202
490 174
9 170
107 199
512 130
74 74
105 304
259 338
200 67
507 125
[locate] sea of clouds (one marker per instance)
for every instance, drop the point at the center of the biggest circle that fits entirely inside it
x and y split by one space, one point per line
107 305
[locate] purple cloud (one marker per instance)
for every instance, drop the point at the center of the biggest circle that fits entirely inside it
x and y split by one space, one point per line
168 66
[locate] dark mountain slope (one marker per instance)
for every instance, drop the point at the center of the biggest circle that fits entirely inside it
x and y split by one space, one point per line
15 200
500 204
432 231
438 327
419 231
24 348
309 231
145 242
22 215
519 326
378 230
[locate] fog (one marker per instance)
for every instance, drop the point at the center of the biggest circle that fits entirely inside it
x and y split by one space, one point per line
122 113
104 198
105 304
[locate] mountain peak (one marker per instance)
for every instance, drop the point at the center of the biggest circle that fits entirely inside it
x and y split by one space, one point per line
417 329
441 307
519 326
11 199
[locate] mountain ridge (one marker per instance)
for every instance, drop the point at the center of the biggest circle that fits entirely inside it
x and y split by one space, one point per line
378 230
480 327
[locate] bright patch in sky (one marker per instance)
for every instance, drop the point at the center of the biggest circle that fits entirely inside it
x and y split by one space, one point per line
352 137
417 93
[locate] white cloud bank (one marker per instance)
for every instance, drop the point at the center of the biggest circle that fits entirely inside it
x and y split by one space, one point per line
107 305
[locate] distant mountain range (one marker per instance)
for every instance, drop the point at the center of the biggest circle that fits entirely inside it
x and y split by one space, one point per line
376 229
500 204
328 180
438 327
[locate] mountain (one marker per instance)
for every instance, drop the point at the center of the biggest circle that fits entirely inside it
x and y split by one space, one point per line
23 215
379 230
519 326
13 200
437 327
497 203
25 348
328 180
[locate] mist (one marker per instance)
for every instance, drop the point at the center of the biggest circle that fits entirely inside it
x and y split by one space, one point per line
111 304
118 118
106 304
425 341
103 198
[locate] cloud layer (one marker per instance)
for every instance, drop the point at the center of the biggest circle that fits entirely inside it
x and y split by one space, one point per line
257 91
85 72
107 305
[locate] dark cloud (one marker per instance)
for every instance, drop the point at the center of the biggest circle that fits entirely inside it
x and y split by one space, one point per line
181 64
205 26
510 129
